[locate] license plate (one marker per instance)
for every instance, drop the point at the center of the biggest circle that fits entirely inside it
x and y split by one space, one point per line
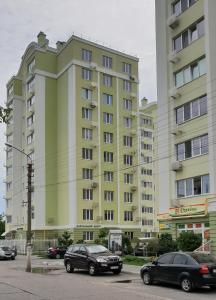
114 267
214 271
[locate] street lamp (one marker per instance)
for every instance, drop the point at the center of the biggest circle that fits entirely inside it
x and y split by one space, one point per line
29 208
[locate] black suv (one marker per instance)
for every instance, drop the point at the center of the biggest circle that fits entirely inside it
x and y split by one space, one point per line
94 258
187 269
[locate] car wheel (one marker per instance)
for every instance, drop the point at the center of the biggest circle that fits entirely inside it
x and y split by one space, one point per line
12 257
69 268
58 256
147 278
92 270
117 272
186 285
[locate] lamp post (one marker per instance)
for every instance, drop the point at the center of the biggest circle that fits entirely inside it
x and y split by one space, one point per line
29 208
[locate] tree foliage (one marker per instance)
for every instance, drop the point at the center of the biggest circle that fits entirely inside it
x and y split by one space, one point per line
153 247
4 114
166 243
126 245
189 241
102 237
65 240
2 226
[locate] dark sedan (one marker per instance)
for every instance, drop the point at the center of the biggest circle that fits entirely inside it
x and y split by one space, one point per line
187 269
94 258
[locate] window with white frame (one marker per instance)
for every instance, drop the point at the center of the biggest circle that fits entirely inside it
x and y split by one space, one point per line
86 74
108 215
180 6
146 184
145 133
9 138
107 80
146 171
8 171
193 186
87 194
8 219
30 102
148 197
108 137
107 118
145 121
86 55
10 90
30 120
128 141
128 159
128 216
31 85
127 104
87 113
108 176
30 138
8 186
87 133
86 94
87 153
145 146
31 66
87 214
191 148
108 157
107 62
129 234
127 122
107 99
191 110
9 153
146 159
87 173
128 178
88 235
126 67
148 222
128 197
127 86
108 196
147 209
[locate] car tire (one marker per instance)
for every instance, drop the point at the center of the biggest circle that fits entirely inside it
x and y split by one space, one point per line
58 256
69 268
12 257
187 285
147 278
117 272
92 269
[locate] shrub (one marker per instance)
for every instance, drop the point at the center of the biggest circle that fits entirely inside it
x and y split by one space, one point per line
189 241
166 243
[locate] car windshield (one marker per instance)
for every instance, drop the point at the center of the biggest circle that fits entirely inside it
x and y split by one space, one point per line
204 258
5 248
97 249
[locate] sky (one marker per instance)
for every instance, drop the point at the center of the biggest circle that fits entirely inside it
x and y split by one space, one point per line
125 25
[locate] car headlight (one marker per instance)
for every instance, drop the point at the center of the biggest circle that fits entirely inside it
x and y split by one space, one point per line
101 260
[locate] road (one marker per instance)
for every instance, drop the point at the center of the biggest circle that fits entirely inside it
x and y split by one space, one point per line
16 284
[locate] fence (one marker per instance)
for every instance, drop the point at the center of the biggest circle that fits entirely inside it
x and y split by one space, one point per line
37 245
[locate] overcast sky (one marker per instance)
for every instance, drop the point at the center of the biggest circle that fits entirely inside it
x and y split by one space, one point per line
125 25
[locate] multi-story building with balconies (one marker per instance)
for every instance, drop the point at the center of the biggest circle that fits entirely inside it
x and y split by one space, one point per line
186 72
74 112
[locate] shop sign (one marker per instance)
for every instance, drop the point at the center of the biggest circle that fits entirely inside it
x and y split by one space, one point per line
191 210
164 226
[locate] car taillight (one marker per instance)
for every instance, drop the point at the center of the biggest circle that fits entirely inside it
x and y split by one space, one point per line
204 269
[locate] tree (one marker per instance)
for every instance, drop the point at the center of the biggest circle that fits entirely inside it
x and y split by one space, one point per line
4 114
2 226
166 243
126 245
153 247
103 237
189 241
65 240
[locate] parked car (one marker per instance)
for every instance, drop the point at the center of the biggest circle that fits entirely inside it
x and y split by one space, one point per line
94 258
6 253
56 252
187 269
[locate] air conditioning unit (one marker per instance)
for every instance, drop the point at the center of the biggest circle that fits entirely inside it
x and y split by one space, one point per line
95 205
93 85
93 104
99 218
94 185
173 21
134 207
93 65
176 131
174 93
174 57
177 166
133 78
93 124
133 95
133 189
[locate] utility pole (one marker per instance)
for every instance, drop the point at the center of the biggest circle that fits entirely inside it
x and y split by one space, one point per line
29 213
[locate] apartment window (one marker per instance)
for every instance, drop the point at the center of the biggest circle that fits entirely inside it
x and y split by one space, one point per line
107 80
146 159
86 74
128 178
193 33
88 214
30 138
145 133
88 236
146 146
128 159
31 66
108 215
86 113
87 153
128 216
9 154
129 234
145 121
128 197
148 222
30 120
108 137
31 156
108 118
146 184
87 173
87 194
107 99
8 219
127 86
193 186
192 109
8 171
10 90
87 134
147 197
30 102
108 157
108 196
128 141
8 186
107 62
180 6
9 138
126 68
146 171
147 209
127 104
31 85
190 73
108 176
86 55
127 122
86 94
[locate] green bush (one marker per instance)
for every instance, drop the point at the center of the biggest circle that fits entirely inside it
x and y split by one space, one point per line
65 240
134 260
166 244
189 241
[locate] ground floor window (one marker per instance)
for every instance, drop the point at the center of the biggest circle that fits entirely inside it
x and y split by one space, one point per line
88 235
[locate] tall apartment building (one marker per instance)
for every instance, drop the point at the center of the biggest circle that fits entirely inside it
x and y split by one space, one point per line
148 167
186 72
75 113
